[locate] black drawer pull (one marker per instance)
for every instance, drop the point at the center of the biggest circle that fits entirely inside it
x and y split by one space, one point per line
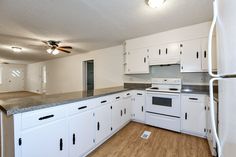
142 108
73 140
193 98
20 141
117 97
128 94
61 144
205 54
159 51
104 101
98 126
186 116
139 94
83 107
46 117
197 55
124 110
121 113
166 50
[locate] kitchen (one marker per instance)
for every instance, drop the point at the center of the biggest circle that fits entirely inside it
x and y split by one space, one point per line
167 86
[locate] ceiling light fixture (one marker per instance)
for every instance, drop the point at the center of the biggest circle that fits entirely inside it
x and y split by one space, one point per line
155 3
53 51
16 49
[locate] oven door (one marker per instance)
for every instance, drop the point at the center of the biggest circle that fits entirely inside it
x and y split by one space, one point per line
163 103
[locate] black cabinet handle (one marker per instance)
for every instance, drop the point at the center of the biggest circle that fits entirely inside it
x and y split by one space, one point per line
117 97
142 109
144 59
61 144
128 94
193 98
124 110
20 141
139 94
166 50
82 107
121 113
186 116
197 55
104 101
159 51
46 117
205 54
98 126
73 140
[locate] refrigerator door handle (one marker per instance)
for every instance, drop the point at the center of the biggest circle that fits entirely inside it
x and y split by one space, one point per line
210 40
212 114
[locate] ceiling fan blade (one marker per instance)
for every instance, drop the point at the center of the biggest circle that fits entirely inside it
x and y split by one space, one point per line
65 47
60 49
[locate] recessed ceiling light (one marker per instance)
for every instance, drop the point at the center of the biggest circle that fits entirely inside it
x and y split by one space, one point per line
155 3
16 49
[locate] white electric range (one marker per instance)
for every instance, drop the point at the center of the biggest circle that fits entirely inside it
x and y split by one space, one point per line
163 103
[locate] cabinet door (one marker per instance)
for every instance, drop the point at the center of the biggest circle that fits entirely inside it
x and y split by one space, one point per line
204 45
136 61
47 140
103 122
191 56
117 114
126 109
81 133
172 52
193 116
138 110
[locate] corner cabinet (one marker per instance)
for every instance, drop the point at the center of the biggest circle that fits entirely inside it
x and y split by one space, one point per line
136 61
194 55
193 114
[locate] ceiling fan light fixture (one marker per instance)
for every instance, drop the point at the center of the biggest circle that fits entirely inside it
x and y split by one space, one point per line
49 51
16 49
55 52
155 3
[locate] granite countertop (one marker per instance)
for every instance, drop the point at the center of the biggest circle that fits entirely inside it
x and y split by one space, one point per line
195 89
19 105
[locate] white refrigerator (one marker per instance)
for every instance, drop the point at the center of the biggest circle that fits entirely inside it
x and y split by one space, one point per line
224 22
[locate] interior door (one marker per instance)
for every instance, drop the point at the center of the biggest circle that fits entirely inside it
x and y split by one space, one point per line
48 140
103 122
191 56
81 133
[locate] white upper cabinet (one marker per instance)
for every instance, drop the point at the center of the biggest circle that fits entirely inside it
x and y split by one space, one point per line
194 55
164 54
136 61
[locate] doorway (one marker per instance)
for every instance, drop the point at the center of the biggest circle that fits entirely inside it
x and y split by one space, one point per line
88 75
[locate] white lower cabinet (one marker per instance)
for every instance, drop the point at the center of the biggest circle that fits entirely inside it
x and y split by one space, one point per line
138 106
102 122
117 113
46 140
126 108
193 118
81 133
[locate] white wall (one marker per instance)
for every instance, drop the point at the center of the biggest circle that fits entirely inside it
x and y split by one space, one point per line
65 74
9 83
34 77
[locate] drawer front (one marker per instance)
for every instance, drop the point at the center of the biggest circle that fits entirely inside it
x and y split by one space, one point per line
166 122
200 98
81 106
42 116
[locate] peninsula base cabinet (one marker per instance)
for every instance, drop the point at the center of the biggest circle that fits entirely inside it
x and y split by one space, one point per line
70 130
193 110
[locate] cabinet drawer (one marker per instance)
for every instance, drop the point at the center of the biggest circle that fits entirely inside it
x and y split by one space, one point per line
82 106
200 98
39 117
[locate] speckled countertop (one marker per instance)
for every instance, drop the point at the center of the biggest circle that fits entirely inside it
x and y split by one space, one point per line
19 105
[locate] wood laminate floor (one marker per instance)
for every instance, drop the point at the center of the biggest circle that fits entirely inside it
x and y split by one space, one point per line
161 143
10 95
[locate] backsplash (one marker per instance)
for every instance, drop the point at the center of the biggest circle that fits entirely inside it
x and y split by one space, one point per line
172 71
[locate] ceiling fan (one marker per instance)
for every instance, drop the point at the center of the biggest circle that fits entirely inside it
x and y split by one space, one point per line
54 48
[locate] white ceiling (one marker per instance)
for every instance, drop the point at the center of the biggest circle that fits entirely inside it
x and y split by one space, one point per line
88 24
